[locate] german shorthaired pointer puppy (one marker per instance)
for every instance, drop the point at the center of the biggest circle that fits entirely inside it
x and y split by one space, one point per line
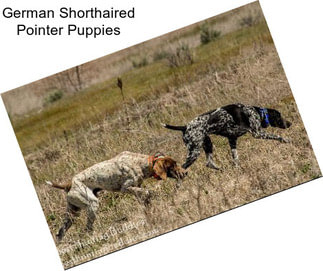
231 121
124 173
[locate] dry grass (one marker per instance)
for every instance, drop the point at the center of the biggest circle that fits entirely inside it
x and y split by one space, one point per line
84 108
266 166
30 98
242 66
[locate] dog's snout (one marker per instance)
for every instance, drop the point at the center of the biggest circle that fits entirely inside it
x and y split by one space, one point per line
288 124
284 124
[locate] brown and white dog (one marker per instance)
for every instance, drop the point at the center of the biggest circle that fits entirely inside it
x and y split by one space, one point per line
123 173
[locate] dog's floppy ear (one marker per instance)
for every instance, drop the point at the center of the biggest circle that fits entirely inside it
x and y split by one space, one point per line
159 169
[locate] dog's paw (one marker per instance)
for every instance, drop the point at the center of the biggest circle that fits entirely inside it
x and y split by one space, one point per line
212 165
49 183
59 237
236 164
284 140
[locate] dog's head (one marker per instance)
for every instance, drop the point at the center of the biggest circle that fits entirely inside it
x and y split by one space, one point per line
167 167
276 119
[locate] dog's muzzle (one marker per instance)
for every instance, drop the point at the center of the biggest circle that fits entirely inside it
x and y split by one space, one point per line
286 124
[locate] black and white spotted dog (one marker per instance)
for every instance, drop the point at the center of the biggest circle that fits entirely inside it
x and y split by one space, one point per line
231 121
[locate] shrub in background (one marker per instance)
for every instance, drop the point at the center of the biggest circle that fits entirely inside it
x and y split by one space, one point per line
54 96
247 21
207 35
180 57
140 63
159 55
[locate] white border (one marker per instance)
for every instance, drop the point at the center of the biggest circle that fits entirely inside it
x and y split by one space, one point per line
282 232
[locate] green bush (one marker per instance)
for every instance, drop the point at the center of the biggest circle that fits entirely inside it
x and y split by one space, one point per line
159 55
180 57
54 96
140 63
247 21
207 35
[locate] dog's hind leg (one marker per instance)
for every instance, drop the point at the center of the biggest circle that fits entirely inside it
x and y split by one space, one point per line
79 197
91 214
87 199
193 139
193 153
208 149
71 212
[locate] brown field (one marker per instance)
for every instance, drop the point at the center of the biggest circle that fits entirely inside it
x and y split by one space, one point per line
94 125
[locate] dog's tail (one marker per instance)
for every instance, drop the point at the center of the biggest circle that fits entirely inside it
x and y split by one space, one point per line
66 186
172 127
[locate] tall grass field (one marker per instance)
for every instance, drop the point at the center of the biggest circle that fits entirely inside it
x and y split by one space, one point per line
230 58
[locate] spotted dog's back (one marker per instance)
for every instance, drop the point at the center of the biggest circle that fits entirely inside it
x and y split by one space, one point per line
219 122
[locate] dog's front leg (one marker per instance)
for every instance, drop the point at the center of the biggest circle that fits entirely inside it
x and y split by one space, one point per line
233 146
91 214
137 191
141 194
263 135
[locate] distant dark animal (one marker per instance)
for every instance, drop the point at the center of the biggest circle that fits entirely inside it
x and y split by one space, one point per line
123 173
119 84
231 121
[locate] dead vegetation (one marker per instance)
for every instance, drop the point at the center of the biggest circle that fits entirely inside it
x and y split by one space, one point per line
23 100
266 166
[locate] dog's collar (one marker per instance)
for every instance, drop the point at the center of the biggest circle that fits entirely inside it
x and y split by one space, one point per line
152 159
264 116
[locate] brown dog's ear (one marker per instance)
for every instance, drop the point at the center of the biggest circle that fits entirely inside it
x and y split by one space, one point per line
159 169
